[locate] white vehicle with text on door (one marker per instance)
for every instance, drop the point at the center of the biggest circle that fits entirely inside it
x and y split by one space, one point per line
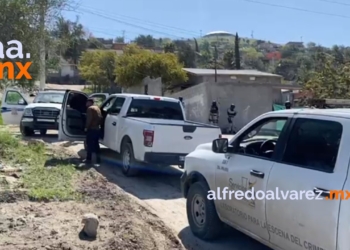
282 152
144 129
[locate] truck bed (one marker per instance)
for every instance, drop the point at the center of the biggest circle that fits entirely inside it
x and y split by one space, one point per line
178 136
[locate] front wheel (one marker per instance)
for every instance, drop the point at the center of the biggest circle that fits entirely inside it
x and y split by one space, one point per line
128 160
25 131
201 213
43 131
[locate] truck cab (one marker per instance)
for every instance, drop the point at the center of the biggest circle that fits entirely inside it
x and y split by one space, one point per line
305 152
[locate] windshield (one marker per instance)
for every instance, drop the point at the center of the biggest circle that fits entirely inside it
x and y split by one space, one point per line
49 98
145 108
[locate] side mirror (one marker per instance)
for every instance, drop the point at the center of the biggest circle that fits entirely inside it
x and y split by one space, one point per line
21 102
221 146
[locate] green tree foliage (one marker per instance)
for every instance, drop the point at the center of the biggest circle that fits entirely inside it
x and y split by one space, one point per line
135 64
228 60
237 54
98 67
119 39
146 41
169 48
186 53
333 81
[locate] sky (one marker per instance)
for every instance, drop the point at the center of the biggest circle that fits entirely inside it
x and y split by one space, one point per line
325 22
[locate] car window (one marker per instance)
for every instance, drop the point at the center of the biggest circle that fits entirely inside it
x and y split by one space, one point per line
99 99
148 108
108 104
49 97
13 98
117 105
313 144
260 139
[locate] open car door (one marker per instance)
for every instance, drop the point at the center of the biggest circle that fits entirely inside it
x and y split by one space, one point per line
12 106
73 114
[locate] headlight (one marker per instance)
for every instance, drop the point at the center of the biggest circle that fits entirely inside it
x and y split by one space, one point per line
28 112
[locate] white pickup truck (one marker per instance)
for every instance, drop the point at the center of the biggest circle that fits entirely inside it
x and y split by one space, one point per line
143 128
307 154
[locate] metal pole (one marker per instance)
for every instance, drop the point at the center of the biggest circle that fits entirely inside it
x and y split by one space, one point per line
42 46
215 63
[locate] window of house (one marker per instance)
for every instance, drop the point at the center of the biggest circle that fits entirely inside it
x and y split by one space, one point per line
313 144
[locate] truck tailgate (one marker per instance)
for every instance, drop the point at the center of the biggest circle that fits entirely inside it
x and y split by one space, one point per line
182 137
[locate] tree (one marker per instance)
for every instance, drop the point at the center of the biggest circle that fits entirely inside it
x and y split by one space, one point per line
333 81
135 64
71 37
237 55
119 39
228 60
145 41
185 53
98 67
169 48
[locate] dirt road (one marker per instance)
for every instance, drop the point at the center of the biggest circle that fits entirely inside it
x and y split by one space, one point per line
159 191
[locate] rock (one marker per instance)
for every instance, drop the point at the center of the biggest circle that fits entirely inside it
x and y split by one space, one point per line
91 223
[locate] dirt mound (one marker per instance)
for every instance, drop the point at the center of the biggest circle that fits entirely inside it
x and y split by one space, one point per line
124 224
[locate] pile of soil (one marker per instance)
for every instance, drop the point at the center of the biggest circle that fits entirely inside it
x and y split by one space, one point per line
124 224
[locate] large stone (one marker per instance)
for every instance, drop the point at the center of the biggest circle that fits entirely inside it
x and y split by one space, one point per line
91 223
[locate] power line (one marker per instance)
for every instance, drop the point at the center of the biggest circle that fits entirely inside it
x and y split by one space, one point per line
297 9
129 24
180 30
335 2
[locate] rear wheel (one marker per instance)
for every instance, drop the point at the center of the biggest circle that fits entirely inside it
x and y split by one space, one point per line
128 160
85 145
201 213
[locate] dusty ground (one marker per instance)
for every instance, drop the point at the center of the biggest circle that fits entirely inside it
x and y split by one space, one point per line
124 224
159 192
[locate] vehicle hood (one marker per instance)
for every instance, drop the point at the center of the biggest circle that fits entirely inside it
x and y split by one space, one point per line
204 146
44 105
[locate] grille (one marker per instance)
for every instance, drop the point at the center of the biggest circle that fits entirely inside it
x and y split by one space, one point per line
46 113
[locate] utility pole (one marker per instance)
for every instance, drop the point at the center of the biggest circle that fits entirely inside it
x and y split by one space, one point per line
42 48
123 35
215 62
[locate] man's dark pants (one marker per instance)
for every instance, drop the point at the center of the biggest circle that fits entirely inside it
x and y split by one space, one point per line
93 145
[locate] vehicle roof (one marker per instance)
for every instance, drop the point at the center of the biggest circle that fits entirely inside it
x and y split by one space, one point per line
52 91
170 99
340 112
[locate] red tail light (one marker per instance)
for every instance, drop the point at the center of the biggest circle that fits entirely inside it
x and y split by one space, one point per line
157 98
148 136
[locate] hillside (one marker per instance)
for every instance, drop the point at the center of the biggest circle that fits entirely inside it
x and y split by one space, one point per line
294 60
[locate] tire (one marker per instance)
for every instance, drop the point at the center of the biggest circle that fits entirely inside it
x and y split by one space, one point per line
43 131
208 226
85 145
25 131
128 160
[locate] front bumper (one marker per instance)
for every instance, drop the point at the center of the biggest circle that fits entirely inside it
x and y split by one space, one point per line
165 158
38 123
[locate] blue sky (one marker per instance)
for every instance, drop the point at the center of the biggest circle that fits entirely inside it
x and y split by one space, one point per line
189 18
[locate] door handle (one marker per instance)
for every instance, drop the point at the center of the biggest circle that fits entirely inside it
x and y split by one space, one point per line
114 123
257 173
322 192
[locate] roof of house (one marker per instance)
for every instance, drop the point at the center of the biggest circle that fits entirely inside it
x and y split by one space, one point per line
229 72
